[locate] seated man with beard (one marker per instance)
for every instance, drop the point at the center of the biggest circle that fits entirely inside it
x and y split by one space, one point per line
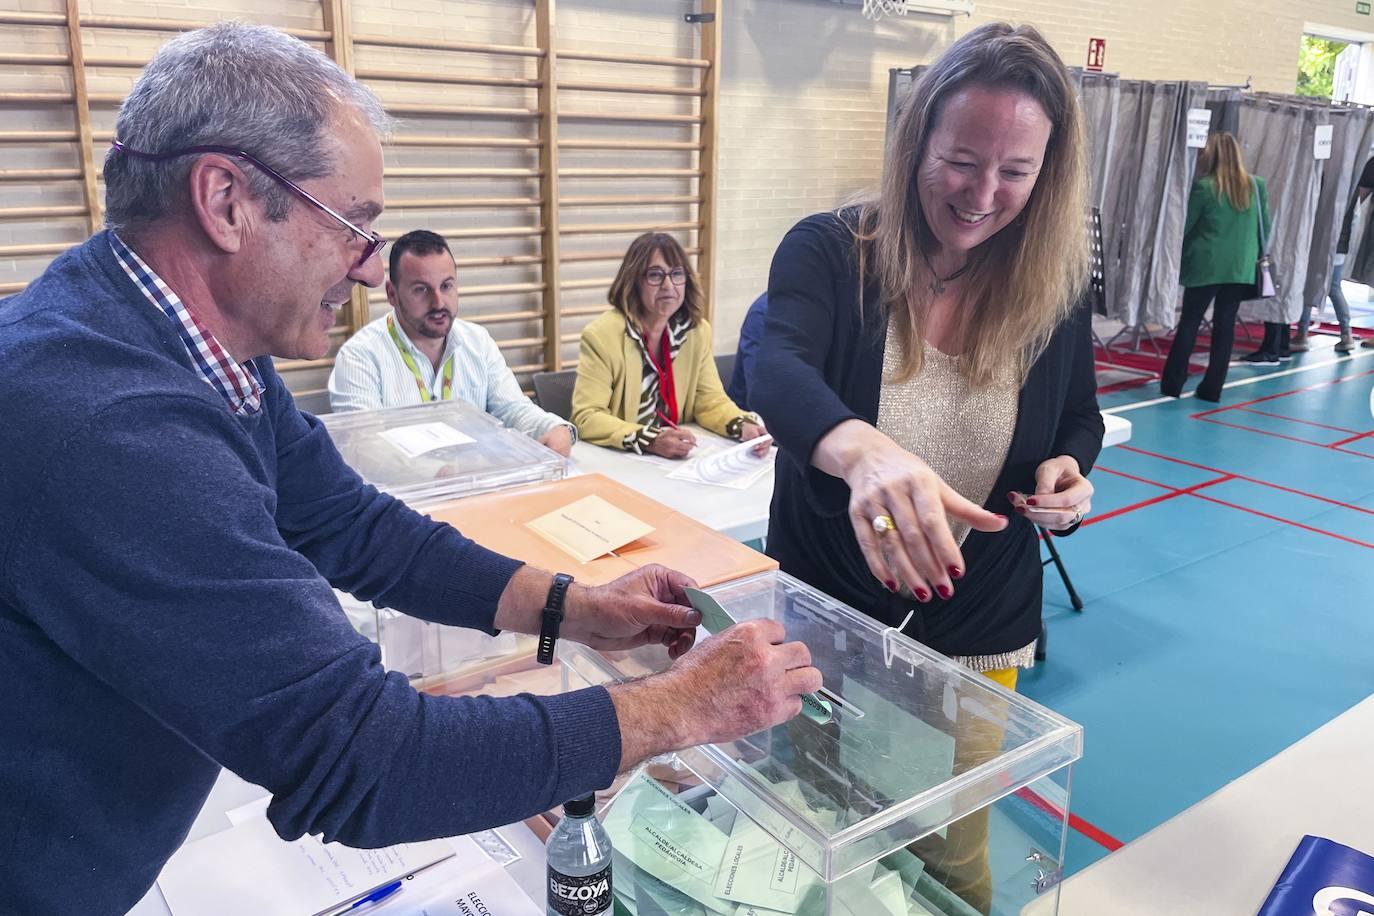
421 351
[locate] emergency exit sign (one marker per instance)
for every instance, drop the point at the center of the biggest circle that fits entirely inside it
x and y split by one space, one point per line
1097 53
1362 8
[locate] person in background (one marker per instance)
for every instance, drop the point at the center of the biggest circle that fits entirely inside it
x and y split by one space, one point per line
750 335
422 351
930 382
171 525
1348 239
1220 250
645 367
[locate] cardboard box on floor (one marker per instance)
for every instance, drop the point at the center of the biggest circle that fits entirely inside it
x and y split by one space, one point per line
498 521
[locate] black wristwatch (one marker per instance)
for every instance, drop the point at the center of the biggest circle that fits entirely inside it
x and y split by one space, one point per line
553 617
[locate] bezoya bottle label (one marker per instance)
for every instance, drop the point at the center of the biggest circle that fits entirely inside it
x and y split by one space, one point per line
580 896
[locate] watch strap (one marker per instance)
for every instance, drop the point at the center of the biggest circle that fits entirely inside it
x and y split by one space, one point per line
552 618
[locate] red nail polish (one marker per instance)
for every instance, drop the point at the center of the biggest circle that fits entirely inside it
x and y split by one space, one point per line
944 591
922 595
956 573
1021 509
1011 496
891 586
1031 501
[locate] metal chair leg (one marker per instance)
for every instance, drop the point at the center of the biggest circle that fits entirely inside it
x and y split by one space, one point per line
1063 573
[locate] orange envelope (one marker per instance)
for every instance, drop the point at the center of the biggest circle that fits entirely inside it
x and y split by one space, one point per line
498 521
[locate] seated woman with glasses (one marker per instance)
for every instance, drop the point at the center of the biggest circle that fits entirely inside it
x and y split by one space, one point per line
645 368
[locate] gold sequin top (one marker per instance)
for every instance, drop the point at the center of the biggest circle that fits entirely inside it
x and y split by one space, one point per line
963 433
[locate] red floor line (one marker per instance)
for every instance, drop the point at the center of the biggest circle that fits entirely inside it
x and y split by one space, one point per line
1262 432
1125 385
1351 439
1154 500
1284 394
1153 483
1339 429
1285 521
1254 480
1143 504
1096 834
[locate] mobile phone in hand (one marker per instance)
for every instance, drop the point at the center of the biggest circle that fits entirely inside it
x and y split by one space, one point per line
1040 516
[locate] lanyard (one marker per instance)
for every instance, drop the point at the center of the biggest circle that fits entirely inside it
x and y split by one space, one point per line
445 385
666 389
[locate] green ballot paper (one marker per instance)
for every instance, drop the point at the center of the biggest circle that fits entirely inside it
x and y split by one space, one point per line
660 834
716 619
713 617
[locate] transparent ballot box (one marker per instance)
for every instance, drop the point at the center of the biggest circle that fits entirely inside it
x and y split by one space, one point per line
444 659
913 785
439 450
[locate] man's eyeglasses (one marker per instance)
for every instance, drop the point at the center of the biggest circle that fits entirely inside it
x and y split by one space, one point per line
655 276
373 243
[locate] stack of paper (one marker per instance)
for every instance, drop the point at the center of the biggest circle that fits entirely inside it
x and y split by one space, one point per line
249 869
736 467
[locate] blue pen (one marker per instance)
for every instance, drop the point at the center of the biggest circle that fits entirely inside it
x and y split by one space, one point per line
376 896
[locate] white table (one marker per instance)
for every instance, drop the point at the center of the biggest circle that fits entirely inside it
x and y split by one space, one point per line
1224 854
1118 430
740 514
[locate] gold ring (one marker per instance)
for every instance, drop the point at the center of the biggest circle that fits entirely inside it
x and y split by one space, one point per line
883 524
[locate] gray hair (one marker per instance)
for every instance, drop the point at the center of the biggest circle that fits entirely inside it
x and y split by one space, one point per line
251 87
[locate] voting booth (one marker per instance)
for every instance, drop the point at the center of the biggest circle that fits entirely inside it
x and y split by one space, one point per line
909 785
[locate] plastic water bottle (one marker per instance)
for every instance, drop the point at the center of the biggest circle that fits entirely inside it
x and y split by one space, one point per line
579 854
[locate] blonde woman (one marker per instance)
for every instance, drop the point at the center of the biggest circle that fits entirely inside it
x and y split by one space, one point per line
929 381
1220 248
645 368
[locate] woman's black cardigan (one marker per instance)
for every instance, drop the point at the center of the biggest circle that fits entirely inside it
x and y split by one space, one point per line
820 363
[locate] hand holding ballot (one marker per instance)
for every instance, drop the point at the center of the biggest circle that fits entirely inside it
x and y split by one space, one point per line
737 683
646 607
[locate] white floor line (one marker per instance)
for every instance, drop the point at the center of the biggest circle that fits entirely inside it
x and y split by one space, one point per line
1241 383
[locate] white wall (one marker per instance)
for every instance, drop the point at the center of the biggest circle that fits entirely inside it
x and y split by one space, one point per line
803 102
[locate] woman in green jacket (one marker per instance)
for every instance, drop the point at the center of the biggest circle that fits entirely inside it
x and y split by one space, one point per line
1220 250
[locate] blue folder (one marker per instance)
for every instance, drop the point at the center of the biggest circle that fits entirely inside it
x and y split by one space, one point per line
1325 878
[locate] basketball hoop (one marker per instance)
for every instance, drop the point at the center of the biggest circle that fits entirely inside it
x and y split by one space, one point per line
877 9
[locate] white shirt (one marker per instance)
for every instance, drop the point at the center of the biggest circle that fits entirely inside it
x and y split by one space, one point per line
369 373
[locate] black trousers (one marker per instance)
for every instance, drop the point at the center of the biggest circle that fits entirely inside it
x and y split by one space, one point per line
1228 298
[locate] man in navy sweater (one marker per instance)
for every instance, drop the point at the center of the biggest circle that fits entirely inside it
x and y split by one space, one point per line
170 526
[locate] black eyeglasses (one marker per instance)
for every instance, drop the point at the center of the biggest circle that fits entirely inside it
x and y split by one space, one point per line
655 276
374 243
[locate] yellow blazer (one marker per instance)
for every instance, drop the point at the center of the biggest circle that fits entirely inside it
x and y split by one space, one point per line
610 371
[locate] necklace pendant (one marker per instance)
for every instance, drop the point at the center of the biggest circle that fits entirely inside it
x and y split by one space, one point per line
937 287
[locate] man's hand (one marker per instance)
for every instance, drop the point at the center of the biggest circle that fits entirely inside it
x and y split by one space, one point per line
736 683
559 439
647 606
